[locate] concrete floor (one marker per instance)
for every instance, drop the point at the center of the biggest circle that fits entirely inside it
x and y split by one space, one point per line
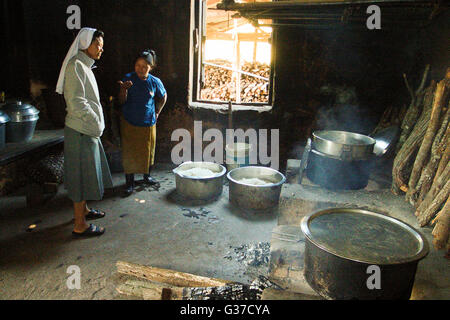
151 228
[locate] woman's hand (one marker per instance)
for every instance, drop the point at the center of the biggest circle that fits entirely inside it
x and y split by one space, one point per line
125 85
123 92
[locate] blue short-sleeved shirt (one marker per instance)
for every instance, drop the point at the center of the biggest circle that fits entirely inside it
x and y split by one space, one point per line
139 109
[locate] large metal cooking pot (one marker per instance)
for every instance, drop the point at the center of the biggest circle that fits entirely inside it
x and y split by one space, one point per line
360 254
336 174
248 195
23 121
344 145
4 118
199 188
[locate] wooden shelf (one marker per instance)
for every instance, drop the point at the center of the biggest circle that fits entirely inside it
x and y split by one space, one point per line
42 139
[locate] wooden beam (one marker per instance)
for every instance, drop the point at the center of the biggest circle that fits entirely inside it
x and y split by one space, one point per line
168 277
251 37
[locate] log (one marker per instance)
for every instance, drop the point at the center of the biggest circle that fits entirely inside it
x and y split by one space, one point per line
443 163
437 151
428 139
414 110
408 151
442 226
428 214
434 190
170 277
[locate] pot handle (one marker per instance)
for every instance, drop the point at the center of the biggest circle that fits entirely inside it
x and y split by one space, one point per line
385 140
304 162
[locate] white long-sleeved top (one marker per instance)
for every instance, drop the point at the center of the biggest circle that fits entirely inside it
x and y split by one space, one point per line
84 110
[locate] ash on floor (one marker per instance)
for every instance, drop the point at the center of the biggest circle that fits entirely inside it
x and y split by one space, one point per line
200 213
235 291
254 254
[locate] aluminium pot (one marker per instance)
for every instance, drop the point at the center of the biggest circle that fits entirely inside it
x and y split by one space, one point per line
337 174
343 145
255 197
199 188
359 254
4 119
23 119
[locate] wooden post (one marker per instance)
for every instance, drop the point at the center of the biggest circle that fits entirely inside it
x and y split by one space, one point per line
237 62
255 45
230 115
238 67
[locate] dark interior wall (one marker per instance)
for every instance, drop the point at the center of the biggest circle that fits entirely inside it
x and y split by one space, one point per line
314 66
40 27
371 62
14 60
129 26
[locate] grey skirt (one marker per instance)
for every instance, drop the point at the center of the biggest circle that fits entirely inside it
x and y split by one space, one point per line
86 170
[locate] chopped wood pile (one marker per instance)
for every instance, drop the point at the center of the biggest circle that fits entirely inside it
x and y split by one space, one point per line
421 166
220 85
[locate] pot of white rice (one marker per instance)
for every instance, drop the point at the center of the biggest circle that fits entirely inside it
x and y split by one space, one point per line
255 187
199 180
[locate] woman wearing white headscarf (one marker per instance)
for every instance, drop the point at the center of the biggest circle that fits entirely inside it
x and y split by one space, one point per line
86 171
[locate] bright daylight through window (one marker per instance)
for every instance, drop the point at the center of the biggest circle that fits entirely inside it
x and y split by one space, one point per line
232 57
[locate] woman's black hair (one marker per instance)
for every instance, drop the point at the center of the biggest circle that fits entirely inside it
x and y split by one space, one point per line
149 56
97 34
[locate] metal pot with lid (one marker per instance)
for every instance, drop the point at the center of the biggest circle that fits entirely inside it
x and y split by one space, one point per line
23 119
4 118
353 253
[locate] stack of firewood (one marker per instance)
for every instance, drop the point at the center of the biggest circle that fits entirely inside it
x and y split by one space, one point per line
255 89
421 167
219 84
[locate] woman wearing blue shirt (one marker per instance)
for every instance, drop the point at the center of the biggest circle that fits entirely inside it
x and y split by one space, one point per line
142 96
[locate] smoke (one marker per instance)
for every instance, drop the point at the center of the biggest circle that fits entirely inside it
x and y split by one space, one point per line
343 112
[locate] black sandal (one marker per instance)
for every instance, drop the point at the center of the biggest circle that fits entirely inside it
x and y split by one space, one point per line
92 231
95 214
149 180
